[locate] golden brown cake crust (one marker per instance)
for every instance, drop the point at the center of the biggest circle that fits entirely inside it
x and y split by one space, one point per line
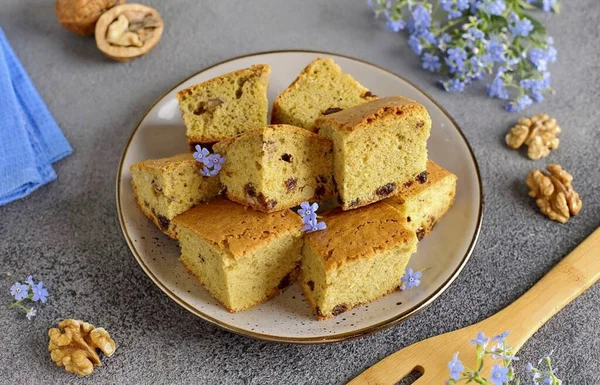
257 70
358 233
163 162
233 227
361 115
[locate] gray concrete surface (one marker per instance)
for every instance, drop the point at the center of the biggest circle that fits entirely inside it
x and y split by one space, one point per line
67 232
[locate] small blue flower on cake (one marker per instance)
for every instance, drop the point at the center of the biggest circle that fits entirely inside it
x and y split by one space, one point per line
308 212
212 162
20 293
410 279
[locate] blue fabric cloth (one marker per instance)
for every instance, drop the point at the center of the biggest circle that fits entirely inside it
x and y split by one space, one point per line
30 139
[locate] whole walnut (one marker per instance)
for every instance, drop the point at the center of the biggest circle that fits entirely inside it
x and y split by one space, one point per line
80 16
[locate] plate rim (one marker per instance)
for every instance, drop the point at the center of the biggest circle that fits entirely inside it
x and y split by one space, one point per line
380 326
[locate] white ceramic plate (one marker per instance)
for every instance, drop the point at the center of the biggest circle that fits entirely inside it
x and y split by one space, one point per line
287 317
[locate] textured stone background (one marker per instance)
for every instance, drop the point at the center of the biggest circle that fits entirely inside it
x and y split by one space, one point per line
67 232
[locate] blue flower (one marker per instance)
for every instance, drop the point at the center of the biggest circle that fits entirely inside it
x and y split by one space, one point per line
307 210
453 12
499 375
549 5
519 104
540 58
411 278
456 367
40 293
493 7
496 89
431 62
31 313
501 337
312 226
455 59
495 50
519 27
480 340
415 43
472 36
421 17
462 4
208 172
536 86
454 85
19 291
201 154
216 161
395 25
29 280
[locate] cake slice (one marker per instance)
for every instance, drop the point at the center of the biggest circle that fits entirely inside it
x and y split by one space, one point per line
360 257
277 167
242 257
226 106
164 188
377 148
320 88
423 205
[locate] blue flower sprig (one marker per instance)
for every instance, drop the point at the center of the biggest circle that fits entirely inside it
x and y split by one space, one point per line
410 279
467 40
502 373
21 292
308 212
212 162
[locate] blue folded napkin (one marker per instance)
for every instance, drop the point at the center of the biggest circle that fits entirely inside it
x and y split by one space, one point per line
30 139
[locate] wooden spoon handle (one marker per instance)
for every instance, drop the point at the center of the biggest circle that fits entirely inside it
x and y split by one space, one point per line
572 276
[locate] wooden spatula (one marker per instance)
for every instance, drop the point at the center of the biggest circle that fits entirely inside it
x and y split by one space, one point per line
572 276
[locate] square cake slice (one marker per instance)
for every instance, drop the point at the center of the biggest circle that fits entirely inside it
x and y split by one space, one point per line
164 188
277 167
242 257
321 87
378 147
226 106
360 257
423 205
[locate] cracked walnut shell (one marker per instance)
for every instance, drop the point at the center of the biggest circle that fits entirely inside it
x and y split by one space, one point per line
554 193
80 16
128 31
538 133
75 348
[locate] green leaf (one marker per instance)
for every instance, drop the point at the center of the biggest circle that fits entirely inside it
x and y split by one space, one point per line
525 5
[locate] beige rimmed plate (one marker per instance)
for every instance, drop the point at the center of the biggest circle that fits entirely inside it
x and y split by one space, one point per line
287 318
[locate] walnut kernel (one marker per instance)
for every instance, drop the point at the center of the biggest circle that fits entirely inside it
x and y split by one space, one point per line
75 348
538 133
128 31
80 16
554 193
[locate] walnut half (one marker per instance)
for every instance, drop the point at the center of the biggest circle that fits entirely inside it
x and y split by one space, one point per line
538 133
75 348
128 31
554 193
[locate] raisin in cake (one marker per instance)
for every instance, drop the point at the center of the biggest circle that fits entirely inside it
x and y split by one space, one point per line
277 167
378 147
242 257
164 188
321 87
360 257
423 205
226 106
